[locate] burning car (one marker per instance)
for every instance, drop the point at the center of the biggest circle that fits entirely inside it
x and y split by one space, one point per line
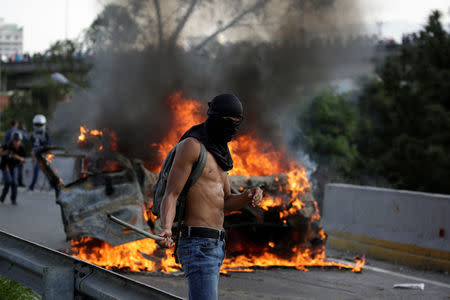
111 185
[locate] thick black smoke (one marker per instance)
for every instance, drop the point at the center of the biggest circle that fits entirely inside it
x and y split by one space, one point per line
272 58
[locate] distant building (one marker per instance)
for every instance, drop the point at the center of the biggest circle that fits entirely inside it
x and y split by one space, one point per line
11 39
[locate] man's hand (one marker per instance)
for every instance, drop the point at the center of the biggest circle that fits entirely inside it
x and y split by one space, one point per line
167 235
19 158
254 195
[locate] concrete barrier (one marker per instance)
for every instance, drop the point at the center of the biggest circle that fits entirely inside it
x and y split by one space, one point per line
402 226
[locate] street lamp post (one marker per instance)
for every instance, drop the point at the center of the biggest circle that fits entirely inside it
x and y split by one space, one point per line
60 78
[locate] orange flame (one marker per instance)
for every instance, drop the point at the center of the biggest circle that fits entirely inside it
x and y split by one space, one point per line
113 140
96 132
359 263
301 260
83 132
49 157
189 113
127 256
87 135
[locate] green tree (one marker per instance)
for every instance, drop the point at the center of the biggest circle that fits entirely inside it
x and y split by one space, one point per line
329 128
404 131
22 109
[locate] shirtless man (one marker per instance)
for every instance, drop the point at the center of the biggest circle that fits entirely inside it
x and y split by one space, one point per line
201 246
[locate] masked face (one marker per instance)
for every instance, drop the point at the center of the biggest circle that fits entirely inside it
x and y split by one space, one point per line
38 128
222 129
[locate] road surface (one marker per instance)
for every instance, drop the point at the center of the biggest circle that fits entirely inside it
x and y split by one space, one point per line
37 218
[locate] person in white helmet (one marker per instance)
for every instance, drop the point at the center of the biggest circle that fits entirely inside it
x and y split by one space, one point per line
40 138
12 154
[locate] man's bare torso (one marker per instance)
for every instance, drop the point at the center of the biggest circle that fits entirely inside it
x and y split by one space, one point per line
205 200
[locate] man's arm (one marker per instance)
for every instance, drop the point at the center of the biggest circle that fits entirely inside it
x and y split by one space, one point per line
3 151
237 201
186 155
18 157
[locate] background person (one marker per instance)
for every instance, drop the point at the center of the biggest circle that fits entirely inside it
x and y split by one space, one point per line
8 133
25 138
40 138
12 154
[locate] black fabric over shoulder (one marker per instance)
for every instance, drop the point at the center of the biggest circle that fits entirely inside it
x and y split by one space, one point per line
219 150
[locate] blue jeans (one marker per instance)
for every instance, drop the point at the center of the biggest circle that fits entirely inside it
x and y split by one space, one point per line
201 259
10 178
35 175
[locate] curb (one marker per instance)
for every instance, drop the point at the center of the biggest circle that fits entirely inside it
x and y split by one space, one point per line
412 255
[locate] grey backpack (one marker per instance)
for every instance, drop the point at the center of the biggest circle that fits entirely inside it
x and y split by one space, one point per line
160 187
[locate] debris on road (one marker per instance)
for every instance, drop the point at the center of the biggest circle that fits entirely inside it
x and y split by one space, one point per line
412 286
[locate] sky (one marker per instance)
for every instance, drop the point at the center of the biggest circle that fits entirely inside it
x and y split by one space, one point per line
44 21
399 16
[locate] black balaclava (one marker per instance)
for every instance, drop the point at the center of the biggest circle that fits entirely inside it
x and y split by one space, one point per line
216 132
224 105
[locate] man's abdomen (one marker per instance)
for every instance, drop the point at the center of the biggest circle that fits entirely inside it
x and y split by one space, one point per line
204 207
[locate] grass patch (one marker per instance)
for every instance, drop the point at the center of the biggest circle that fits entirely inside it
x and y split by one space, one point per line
11 290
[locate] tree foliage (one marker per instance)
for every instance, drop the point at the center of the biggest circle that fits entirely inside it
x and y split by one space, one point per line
405 124
328 135
329 130
22 109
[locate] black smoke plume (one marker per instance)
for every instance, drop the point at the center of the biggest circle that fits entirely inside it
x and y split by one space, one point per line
271 54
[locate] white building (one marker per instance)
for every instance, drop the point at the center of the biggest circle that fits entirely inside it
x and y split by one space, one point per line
11 39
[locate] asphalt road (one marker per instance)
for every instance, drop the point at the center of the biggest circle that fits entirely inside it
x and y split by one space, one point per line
37 218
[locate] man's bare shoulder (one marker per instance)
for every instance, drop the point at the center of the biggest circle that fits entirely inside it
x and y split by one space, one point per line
189 149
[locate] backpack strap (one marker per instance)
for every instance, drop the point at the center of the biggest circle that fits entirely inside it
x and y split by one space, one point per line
197 169
196 172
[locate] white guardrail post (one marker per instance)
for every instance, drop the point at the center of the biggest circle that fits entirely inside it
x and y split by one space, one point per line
55 275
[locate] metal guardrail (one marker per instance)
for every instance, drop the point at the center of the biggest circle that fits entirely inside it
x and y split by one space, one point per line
55 275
